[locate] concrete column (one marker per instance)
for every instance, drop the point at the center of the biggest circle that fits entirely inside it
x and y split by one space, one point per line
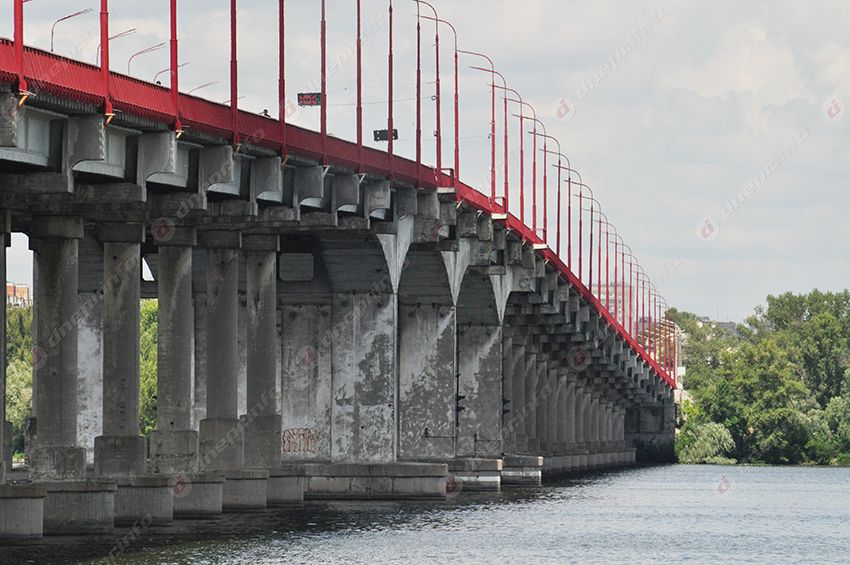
609 422
541 402
594 421
174 444
588 420
220 432
515 419
55 454
530 406
480 385
262 420
553 409
579 416
427 381
120 450
5 230
570 414
508 435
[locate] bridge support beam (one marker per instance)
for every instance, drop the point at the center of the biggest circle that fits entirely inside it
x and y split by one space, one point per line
120 453
221 432
55 455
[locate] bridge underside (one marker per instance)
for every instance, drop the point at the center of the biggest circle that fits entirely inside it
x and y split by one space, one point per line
321 334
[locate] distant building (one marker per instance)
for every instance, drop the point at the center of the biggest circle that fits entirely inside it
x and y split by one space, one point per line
18 294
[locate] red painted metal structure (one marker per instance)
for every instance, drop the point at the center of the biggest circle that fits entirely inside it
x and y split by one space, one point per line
34 71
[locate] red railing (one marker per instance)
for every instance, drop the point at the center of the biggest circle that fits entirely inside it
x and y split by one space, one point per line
36 71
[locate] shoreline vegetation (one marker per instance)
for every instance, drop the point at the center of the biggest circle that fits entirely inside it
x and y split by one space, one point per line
773 391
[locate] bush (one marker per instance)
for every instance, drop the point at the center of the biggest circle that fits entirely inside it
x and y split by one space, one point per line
706 443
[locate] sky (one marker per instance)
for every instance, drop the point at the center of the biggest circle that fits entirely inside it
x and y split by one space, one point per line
713 134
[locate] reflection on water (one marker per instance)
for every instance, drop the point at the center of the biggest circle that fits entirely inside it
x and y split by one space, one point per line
664 514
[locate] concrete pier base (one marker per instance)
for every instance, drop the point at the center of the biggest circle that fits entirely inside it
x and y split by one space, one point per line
21 511
477 474
118 455
522 470
198 497
146 499
57 462
244 490
382 481
286 485
79 507
172 450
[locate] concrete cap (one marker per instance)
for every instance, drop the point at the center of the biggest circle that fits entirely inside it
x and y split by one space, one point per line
288 470
246 475
85 485
146 481
377 470
522 461
475 464
24 490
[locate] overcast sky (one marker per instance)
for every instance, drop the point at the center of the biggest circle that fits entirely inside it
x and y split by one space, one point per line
714 133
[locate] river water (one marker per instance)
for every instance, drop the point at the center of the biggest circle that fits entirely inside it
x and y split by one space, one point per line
670 514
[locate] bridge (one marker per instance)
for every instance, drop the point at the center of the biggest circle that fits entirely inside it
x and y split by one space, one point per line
335 320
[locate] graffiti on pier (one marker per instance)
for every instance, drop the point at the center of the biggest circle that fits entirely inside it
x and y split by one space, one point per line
300 440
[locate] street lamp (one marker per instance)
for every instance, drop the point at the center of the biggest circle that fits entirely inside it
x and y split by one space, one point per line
534 164
438 99
457 99
125 33
144 51
157 75
495 73
62 19
521 152
206 84
492 121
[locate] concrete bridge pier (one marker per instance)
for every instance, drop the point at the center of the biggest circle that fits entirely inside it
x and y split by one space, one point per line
74 504
21 506
478 460
221 432
174 445
263 422
519 467
120 452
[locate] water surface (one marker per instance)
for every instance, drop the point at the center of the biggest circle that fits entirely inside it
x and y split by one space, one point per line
672 514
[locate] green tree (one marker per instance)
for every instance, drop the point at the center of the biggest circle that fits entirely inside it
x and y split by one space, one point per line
148 344
18 399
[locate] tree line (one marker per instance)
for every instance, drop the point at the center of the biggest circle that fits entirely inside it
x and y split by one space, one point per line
774 391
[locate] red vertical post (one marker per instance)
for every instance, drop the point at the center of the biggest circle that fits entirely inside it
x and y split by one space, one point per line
580 229
534 182
558 212
507 155
19 44
457 115
234 76
570 220
418 84
104 55
439 99
599 260
616 282
390 93
281 74
607 267
631 295
590 251
175 67
493 143
324 107
521 165
360 90
545 187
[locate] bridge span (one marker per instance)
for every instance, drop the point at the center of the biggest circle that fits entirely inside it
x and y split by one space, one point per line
335 321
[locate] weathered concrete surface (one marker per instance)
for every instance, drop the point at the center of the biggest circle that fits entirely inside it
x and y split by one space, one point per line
363 401
55 407
480 369
427 381
306 377
521 470
144 498
379 481
476 473
21 511
197 496
174 444
79 507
